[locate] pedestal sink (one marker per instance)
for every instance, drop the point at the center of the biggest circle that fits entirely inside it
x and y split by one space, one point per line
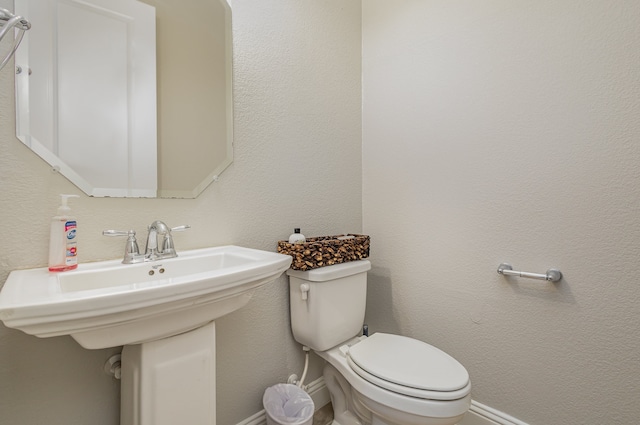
163 313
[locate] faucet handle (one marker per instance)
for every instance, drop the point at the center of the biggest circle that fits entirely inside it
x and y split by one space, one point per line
180 228
118 232
131 249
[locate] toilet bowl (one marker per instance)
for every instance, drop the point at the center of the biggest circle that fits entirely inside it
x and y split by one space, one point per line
383 379
432 390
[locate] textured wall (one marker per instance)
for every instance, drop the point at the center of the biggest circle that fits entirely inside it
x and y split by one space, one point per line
297 163
509 131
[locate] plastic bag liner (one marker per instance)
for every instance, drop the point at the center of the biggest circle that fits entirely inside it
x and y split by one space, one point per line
288 404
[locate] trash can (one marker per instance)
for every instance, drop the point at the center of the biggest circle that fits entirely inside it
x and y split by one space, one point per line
287 404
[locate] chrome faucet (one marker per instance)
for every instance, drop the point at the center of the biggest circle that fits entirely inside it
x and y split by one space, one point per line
159 243
157 229
160 240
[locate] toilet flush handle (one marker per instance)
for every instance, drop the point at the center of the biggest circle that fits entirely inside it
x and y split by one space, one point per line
304 289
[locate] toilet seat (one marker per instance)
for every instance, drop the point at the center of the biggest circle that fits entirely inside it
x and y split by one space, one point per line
408 366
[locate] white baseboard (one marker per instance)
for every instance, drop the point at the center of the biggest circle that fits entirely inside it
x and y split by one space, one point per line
316 389
478 414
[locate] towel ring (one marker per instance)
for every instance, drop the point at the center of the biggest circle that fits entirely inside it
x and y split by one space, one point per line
8 21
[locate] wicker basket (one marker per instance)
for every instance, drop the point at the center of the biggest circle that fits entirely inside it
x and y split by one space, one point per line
325 250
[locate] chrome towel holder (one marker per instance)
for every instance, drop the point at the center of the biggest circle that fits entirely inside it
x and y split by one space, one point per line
552 275
9 21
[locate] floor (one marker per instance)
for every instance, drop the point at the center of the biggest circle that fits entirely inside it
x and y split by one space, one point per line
324 415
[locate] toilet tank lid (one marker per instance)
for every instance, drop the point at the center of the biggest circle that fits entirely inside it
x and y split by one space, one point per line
336 271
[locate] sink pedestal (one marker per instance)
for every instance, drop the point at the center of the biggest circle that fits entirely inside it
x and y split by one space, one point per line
170 381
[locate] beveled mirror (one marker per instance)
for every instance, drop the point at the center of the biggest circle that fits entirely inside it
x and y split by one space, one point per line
128 98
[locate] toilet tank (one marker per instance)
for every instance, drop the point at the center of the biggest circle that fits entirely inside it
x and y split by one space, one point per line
327 304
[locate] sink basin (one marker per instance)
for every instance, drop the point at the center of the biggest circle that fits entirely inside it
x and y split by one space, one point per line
108 304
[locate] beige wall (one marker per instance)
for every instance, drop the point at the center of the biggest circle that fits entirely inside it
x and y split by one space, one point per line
297 163
493 131
501 131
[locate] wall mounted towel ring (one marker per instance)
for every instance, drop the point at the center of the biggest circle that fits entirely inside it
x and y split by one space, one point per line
8 21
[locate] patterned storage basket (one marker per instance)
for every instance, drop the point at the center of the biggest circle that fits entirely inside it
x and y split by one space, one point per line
326 250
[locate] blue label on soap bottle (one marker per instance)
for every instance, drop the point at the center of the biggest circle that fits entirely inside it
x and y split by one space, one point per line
70 229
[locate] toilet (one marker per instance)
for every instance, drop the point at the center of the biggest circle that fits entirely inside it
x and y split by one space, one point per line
382 379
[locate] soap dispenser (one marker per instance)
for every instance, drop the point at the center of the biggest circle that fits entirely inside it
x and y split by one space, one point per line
297 237
63 249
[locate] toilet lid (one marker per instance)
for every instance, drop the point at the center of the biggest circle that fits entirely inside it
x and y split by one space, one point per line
407 362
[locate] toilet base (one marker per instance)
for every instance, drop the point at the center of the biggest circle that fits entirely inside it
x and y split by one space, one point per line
346 409
383 415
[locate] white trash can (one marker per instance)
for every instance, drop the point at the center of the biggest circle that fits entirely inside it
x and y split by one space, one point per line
287 404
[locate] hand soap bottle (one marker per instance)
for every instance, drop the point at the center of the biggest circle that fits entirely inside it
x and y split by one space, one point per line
63 249
297 237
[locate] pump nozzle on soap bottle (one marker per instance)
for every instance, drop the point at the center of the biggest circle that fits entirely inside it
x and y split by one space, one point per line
297 237
63 245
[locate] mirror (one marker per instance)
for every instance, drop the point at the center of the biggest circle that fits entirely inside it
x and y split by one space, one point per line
117 116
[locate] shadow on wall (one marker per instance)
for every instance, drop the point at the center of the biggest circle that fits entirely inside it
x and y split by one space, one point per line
379 315
556 292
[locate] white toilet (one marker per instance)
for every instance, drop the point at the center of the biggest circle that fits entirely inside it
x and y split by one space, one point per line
382 379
